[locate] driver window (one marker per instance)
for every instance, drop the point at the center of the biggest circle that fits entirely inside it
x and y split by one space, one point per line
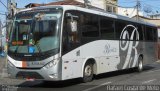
72 35
71 39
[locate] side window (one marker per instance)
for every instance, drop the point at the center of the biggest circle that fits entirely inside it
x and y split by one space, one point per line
133 31
155 35
140 31
107 28
120 25
89 25
126 31
149 34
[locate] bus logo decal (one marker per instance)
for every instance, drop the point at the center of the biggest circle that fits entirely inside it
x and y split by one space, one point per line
130 47
109 49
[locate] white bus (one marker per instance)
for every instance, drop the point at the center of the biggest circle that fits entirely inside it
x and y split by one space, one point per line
65 42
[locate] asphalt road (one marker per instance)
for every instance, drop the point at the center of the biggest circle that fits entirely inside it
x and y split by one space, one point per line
127 80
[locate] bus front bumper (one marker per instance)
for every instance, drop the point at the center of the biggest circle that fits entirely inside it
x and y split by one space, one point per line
50 74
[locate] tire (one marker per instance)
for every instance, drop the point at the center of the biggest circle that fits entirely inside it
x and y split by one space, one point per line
88 72
140 64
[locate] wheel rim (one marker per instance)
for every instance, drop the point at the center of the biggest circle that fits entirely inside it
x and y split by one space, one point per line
140 65
88 70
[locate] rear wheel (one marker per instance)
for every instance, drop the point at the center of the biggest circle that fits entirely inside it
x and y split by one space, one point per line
88 72
140 64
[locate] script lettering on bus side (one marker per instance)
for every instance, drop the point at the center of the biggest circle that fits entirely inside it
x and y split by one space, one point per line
109 49
129 46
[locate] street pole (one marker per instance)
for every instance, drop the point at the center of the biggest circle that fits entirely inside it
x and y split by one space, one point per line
1 35
137 6
8 16
9 6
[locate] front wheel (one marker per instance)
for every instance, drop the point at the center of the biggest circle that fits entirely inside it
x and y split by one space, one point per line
88 72
140 64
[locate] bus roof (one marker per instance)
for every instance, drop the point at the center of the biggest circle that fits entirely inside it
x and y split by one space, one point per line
92 11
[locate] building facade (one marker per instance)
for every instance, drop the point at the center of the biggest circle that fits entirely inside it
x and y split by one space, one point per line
129 12
111 6
107 5
155 16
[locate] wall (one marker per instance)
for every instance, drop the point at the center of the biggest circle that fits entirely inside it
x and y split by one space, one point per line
102 4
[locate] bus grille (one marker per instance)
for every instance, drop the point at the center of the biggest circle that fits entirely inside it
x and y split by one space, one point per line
34 75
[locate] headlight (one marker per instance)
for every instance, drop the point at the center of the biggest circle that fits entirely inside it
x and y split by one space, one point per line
52 63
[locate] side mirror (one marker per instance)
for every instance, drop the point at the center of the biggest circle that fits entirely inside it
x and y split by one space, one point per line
72 17
73 25
73 21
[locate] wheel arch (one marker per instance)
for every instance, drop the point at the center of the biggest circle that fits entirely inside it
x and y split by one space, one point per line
93 61
141 55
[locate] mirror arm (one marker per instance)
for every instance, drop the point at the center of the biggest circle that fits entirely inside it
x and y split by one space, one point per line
71 18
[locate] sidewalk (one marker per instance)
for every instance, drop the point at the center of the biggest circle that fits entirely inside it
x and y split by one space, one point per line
2 63
4 79
3 69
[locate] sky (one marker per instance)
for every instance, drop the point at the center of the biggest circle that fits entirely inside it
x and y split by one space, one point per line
152 5
22 3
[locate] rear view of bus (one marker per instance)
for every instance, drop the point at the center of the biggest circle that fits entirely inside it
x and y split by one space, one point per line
34 44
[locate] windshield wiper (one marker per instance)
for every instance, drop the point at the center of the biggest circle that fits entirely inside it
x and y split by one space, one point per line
39 49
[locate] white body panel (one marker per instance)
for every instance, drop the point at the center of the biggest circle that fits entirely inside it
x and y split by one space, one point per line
105 52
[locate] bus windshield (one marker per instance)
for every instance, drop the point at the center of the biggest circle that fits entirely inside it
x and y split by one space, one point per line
35 32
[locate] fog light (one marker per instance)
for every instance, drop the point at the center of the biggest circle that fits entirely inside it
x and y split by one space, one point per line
53 75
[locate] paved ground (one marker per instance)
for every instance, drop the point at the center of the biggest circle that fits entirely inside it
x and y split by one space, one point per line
3 72
2 63
128 80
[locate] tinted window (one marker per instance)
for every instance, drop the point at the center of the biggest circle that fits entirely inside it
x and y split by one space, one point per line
155 35
89 25
132 31
128 31
140 31
120 25
149 34
107 28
